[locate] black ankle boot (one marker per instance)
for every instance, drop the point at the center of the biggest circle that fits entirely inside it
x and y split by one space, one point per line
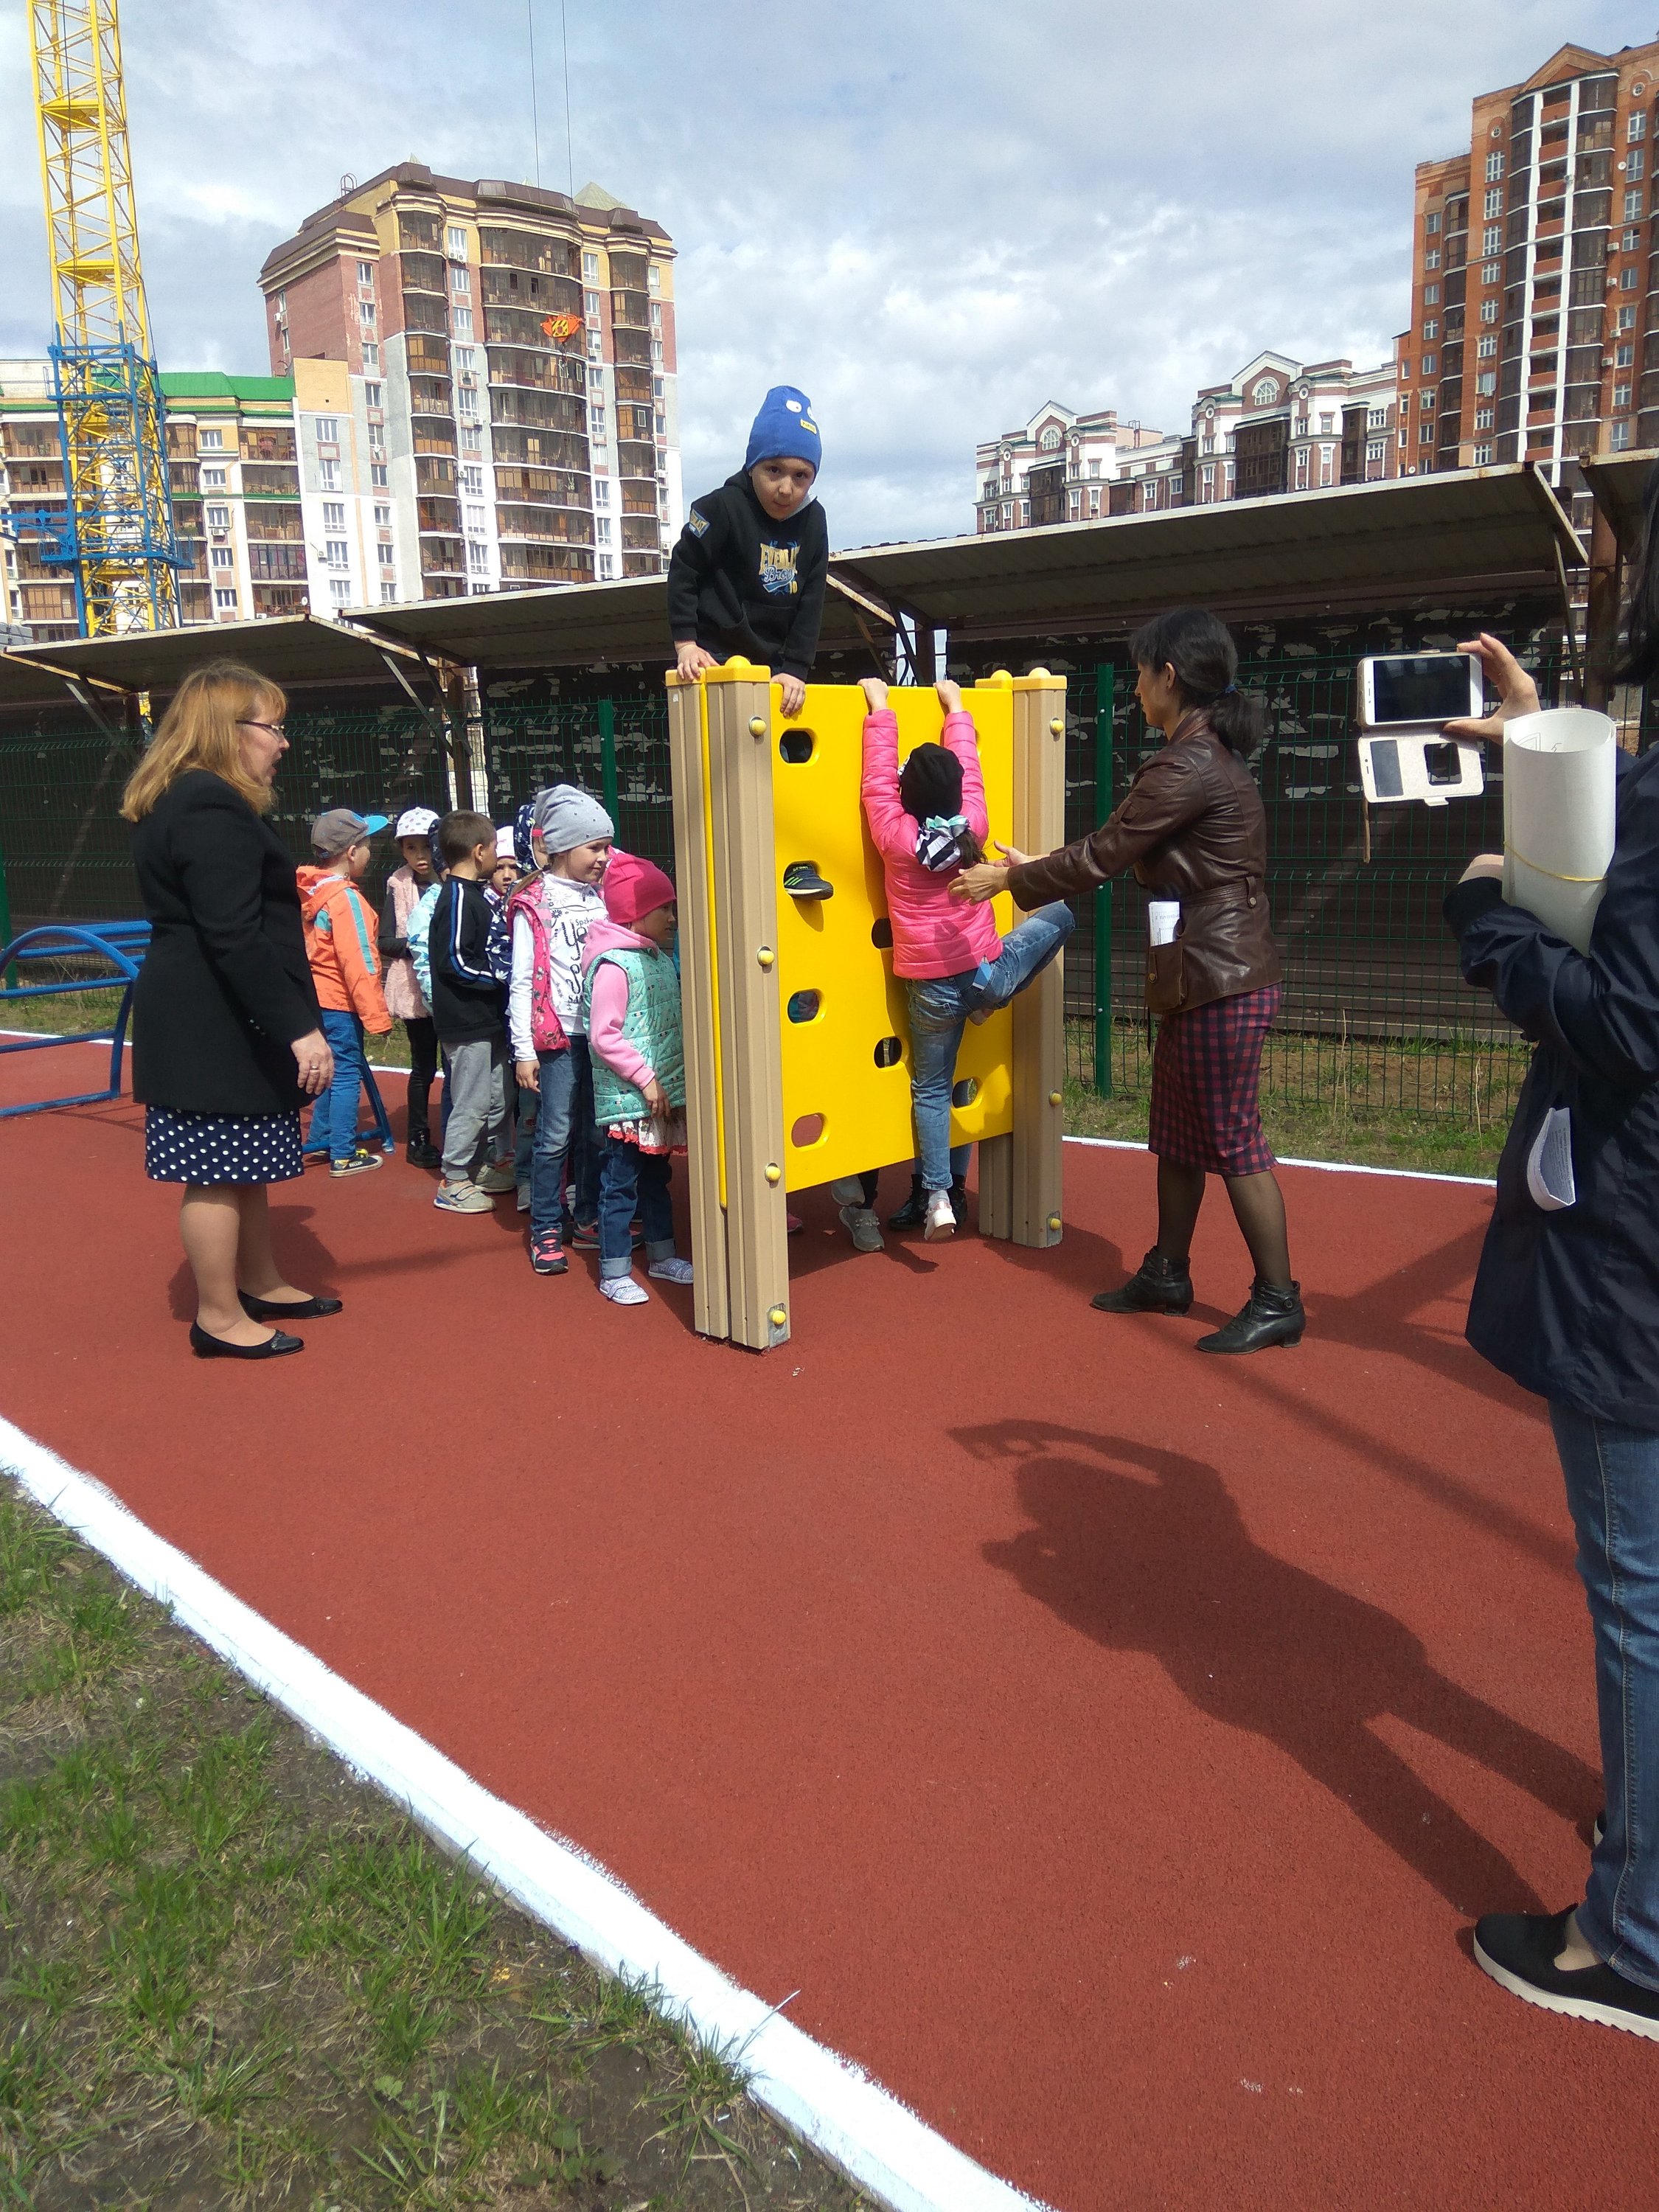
1271 1315
913 1213
420 1151
1159 1285
959 1203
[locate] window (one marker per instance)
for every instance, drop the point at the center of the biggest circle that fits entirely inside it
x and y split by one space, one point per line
388 594
607 567
1376 450
462 321
374 395
1492 205
1483 418
1630 240
213 480
1487 349
602 491
1627 278
662 426
591 304
466 402
377 475
210 441
224 557
1049 440
1405 368
656 353
1627 321
1620 396
334 514
1491 242
1633 205
1636 128
336 553
653 277
595 379
1429 363
1426 434
656 387
1094 468
382 518
1326 424
1636 165
1624 357
1378 418
1424 401
596 421
602 529
1494 170
460 283
473 483
1430 295
1483 457
1489 311
478 556
467 361
218 517
1619 439
1431 221
1486 383
366 313
590 268
471 438
656 314
1208 443
339 590
1094 500
328 476
455 239
224 598
371 355
475 520
1431 330
595 350
1432 258
328 430
365 272
1264 393
1490 270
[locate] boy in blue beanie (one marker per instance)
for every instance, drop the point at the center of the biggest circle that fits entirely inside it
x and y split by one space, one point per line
748 574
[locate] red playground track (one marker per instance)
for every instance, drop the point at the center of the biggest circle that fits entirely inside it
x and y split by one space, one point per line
1112 1746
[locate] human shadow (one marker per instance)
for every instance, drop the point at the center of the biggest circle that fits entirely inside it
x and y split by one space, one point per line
1144 1550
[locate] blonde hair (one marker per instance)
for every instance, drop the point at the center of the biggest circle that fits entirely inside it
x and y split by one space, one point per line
199 730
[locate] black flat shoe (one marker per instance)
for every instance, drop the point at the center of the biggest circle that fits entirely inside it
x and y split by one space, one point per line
214 1348
1519 1951
292 1310
1158 1285
1271 1315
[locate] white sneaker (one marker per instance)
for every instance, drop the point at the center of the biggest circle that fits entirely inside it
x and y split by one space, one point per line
523 1198
497 1177
673 1269
939 1222
462 1198
624 1291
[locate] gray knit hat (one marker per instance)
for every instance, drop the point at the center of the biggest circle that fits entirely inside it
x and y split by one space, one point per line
566 816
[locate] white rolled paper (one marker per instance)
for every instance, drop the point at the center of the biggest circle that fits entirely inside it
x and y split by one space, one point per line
1559 780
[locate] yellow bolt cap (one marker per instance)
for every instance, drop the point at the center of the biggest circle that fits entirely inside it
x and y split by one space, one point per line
1053 1221
1053 1098
1057 727
778 1317
765 956
758 726
774 1172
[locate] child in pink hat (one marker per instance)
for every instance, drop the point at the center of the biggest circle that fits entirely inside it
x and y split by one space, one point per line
631 1001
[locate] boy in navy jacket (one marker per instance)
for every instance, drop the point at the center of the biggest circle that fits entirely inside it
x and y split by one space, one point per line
468 1001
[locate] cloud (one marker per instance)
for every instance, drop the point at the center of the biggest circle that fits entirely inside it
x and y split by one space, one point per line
932 217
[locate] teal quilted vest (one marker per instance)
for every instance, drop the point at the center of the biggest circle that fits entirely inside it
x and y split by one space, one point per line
651 1025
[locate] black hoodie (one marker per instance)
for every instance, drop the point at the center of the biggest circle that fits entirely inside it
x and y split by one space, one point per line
740 582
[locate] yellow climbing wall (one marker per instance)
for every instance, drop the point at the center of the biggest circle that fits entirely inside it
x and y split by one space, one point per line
846 1037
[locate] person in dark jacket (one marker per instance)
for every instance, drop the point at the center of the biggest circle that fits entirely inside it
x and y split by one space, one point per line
468 1003
1566 1302
747 575
1192 827
226 1037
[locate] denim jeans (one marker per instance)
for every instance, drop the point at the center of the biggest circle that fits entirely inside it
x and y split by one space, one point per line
1613 1490
565 1130
632 1181
334 1118
939 1008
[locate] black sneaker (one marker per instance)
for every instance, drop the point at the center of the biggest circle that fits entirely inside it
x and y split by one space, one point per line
802 881
421 1152
1519 1949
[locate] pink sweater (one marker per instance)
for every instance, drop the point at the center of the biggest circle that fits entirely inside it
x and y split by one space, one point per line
933 935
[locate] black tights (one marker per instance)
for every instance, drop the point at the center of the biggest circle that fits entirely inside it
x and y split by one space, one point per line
1258 1207
423 1034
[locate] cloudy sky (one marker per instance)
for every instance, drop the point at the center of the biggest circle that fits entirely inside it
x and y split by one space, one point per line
932 215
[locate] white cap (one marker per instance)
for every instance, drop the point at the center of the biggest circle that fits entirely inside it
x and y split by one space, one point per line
505 848
415 822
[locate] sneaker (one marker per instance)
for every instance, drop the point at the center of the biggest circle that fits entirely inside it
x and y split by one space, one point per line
863 1225
848 1190
802 881
1518 1950
624 1291
586 1238
940 1221
497 1177
523 1198
673 1269
357 1163
547 1254
463 1198
792 1224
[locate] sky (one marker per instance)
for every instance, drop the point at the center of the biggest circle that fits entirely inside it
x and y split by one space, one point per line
932 216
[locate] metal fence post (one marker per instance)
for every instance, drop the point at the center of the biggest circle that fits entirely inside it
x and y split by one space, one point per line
1105 689
5 914
608 755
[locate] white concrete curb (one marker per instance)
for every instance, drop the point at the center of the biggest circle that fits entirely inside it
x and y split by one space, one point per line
1329 1167
848 2119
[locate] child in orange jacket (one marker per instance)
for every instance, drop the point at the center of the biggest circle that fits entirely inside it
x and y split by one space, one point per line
341 934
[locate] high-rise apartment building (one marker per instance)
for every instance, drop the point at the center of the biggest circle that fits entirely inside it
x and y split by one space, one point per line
508 378
1532 285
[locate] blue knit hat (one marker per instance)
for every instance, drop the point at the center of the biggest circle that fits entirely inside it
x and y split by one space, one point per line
783 430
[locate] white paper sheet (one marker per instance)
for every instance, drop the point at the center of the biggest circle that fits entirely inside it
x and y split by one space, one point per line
1559 778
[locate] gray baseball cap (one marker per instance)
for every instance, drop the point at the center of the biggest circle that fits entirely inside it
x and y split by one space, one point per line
336 831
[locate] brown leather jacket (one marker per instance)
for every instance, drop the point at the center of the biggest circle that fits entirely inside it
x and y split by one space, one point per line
1191 826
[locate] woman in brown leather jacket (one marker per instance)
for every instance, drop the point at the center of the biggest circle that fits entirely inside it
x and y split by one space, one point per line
1192 827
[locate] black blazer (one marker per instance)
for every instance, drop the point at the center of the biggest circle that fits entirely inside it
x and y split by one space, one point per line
226 986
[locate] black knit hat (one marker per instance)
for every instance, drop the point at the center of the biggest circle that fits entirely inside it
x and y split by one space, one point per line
930 782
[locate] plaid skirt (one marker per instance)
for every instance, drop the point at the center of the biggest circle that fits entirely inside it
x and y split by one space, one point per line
1206 1072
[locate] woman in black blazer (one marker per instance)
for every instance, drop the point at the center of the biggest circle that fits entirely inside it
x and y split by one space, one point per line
227 1040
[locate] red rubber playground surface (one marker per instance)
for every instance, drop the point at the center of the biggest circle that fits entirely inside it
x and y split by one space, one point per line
1110 1745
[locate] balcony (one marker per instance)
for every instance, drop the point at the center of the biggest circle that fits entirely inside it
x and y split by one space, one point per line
635 459
270 480
268 445
439 514
277 563
430 395
514 404
639 497
420 231
544 487
547 564
557 450
641 531
423 272
633 347
630 311
536 295
522 249
537 371
423 313
270 524
642 564
280 600
564 525
442 556
435 475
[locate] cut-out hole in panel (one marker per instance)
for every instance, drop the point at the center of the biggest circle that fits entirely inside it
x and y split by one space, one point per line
888 1053
796 747
965 1092
806 1132
803 1007
881 934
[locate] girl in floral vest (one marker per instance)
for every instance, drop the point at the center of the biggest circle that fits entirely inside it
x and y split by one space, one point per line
632 1002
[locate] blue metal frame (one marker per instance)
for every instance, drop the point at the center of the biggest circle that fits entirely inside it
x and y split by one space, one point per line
122 944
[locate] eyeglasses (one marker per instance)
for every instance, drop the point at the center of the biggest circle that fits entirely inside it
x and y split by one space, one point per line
275 728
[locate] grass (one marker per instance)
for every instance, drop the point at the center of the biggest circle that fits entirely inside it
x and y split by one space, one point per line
231 1975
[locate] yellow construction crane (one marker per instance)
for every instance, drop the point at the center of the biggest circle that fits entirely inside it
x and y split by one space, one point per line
116 532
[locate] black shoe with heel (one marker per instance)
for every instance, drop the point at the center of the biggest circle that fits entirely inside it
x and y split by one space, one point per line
914 1211
214 1348
292 1309
1159 1285
1271 1315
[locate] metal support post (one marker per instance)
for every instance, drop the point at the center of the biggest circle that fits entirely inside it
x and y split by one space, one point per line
1105 689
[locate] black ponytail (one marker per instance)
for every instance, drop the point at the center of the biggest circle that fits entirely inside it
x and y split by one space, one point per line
1641 662
1195 643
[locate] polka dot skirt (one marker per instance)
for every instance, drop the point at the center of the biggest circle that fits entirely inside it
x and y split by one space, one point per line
212 1148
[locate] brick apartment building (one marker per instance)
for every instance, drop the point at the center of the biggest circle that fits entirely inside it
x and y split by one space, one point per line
509 377
1533 290
1279 425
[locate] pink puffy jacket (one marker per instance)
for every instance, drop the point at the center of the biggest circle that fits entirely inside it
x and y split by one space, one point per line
933 935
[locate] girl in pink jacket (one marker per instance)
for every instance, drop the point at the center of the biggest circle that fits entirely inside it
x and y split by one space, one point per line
927 822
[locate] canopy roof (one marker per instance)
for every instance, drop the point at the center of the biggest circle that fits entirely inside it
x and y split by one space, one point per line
1414 540
1617 481
290 649
23 686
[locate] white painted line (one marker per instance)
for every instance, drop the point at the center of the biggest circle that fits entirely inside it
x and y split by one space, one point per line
1330 1167
849 2119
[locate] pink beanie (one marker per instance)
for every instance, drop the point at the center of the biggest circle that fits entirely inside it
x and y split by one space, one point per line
633 887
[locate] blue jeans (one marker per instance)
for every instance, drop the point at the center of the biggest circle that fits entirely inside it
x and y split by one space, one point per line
1613 1490
939 1009
564 1128
632 1181
334 1118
